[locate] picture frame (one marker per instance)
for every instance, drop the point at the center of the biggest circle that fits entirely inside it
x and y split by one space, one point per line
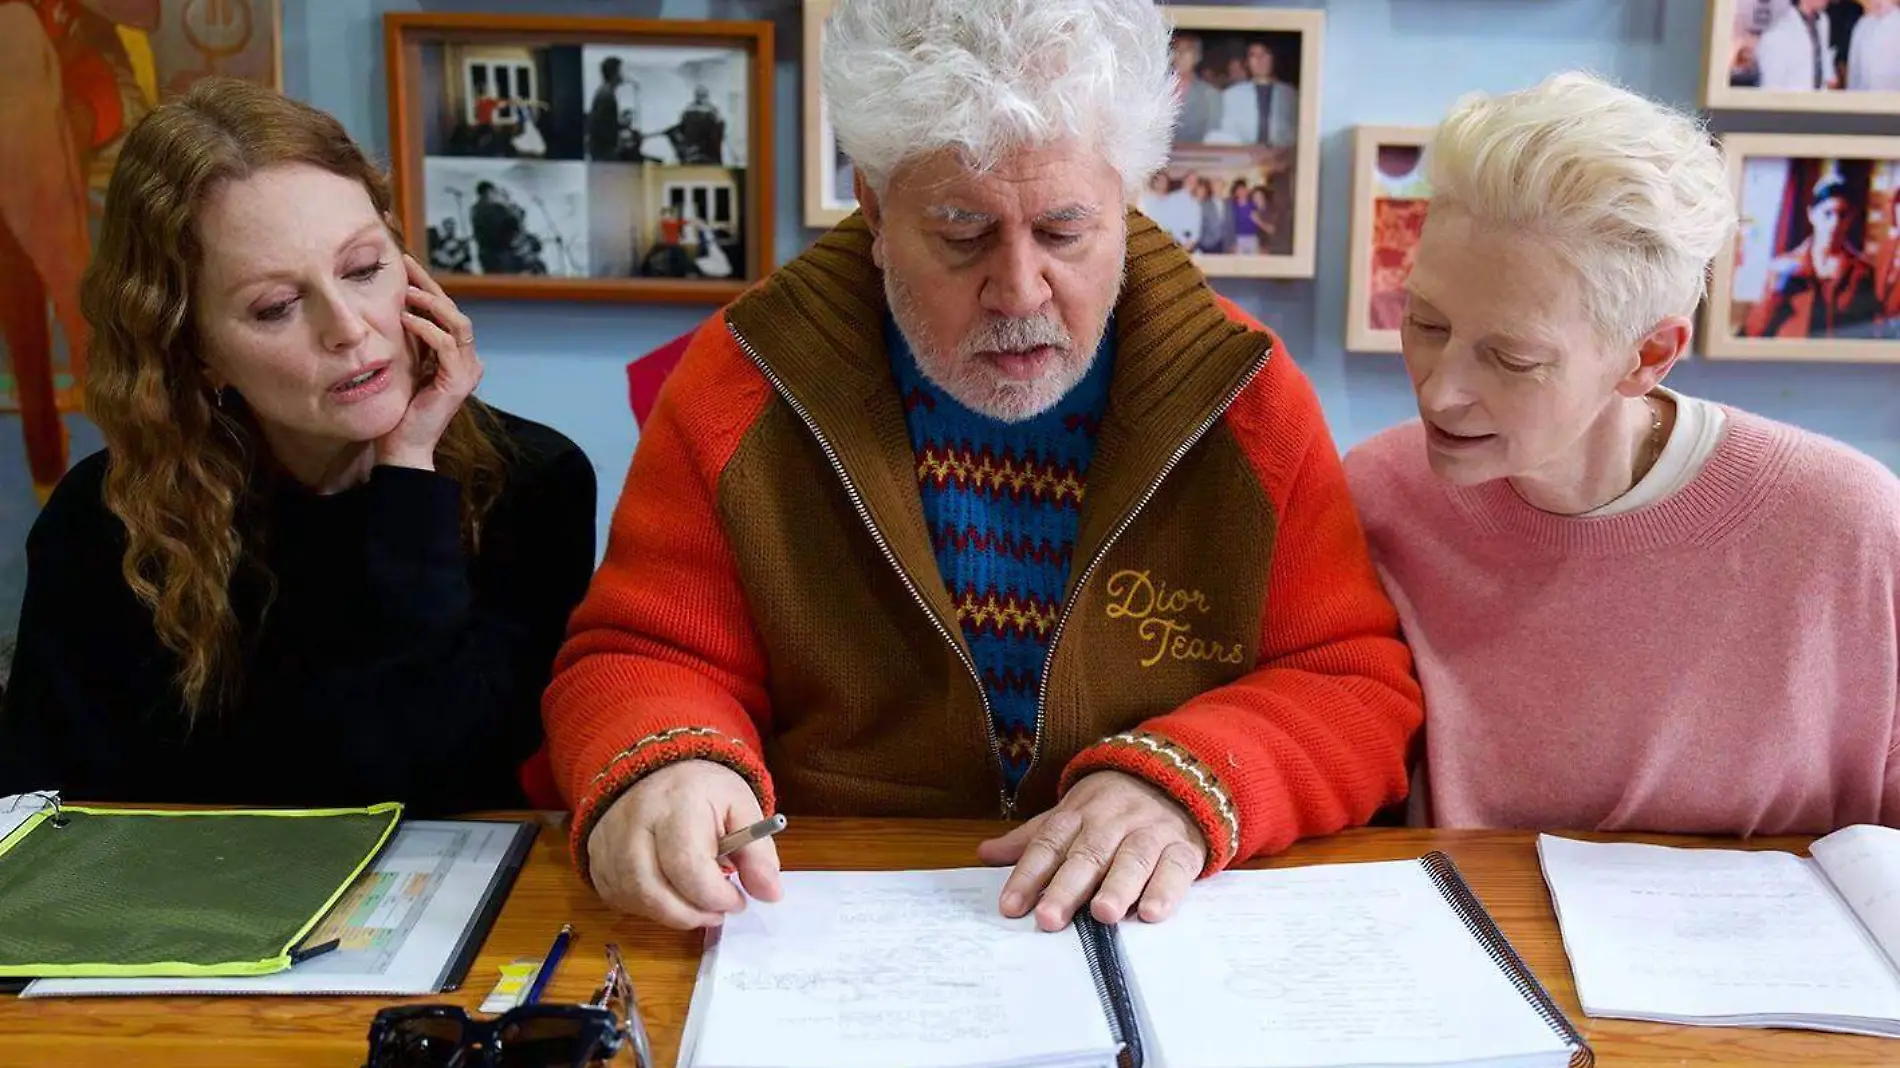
1758 56
1772 296
1388 213
523 167
1249 132
830 196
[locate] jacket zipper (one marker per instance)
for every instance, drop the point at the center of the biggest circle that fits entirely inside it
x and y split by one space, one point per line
1007 798
1121 527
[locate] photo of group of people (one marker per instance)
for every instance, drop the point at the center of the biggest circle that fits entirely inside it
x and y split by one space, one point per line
1223 201
1237 87
1819 255
1231 185
1815 45
585 161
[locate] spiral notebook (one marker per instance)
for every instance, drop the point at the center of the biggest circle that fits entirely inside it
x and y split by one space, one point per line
1330 966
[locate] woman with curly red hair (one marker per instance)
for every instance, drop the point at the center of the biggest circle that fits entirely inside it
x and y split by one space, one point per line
309 567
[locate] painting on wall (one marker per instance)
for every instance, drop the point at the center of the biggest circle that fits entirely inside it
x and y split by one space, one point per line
1241 187
1803 55
74 78
1814 271
581 158
830 180
1389 197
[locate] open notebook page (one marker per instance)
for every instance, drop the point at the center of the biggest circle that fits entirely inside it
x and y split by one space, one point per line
1863 862
872 969
1336 964
1665 933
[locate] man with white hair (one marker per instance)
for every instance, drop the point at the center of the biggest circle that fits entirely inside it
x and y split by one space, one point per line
984 506
1632 609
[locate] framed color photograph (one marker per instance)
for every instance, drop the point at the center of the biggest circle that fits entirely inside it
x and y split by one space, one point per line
830 194
1814 273
1241 188
583 158
1389 196
1803 55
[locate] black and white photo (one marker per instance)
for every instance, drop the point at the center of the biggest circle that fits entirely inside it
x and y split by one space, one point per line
665 104
509 217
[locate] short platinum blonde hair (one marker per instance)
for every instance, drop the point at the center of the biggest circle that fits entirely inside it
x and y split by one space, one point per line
1632 194
907 78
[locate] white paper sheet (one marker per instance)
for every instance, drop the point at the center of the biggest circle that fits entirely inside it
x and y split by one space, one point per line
400 923
16 809
873 969
1335 964
1863 863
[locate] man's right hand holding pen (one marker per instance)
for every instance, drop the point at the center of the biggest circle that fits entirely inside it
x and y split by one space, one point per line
656 852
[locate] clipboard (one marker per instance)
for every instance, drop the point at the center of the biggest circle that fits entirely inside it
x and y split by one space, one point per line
493 899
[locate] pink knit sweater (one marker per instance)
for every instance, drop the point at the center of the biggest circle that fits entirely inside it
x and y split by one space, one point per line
1724 661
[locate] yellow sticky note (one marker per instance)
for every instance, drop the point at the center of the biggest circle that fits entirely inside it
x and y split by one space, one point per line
515 979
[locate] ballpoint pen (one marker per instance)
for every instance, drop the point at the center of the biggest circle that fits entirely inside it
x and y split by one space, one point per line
548 964
745 836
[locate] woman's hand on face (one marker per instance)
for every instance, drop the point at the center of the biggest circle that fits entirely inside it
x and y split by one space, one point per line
447 371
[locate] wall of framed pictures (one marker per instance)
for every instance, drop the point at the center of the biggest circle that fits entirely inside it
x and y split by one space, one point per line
563 361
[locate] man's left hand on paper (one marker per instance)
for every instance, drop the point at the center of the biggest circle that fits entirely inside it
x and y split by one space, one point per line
1114 843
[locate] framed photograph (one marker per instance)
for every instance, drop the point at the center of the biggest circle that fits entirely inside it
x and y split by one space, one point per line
1241 188
830 182
1803 55
555 158
1389 197
1814 273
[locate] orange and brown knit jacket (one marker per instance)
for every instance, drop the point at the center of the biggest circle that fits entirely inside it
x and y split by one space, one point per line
770 601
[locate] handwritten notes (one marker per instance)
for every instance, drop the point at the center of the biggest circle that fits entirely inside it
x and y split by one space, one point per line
871 969
1327 965
1714 936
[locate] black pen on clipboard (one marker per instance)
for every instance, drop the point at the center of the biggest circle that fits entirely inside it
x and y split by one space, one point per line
745 836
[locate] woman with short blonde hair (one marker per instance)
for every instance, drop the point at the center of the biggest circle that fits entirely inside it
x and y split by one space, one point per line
309 567
1631 609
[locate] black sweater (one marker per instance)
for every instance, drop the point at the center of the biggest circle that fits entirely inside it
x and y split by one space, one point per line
389 665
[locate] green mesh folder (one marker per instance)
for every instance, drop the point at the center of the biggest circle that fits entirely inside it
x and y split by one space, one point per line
122 892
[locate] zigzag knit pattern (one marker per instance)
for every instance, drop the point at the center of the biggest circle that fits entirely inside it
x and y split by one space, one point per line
1002 501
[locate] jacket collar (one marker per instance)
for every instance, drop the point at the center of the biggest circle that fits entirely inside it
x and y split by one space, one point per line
815 328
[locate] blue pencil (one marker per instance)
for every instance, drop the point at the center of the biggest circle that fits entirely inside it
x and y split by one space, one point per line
548 964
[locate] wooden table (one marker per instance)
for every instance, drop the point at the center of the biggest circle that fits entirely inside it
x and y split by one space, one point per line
260 1032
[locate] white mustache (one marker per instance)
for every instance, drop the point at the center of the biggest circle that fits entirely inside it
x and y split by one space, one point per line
1017 335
